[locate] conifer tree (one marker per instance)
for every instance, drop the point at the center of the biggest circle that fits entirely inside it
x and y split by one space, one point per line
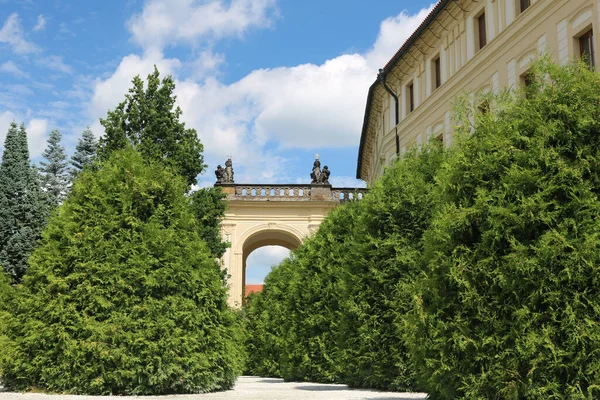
85 151
22 206
122 295
55 179
149 121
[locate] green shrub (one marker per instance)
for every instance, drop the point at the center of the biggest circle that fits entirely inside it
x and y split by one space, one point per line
510 300
381 270
7 294
265 317
315 299
123 296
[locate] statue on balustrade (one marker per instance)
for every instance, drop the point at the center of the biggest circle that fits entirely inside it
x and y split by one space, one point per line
219 172
316 171
225 175
319 176
325 175
228 176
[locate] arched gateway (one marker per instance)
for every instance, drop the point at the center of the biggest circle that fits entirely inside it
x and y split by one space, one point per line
264 215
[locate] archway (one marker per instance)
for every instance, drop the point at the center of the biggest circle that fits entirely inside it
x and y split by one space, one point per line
262 239
262 215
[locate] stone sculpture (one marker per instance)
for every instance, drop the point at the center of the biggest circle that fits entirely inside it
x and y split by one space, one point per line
219 172
228 175
316 171
319 176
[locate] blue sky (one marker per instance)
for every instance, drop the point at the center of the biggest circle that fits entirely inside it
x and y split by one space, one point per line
271 82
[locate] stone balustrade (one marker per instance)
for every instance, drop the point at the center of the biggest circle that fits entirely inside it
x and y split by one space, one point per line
346 194
291 192
278 192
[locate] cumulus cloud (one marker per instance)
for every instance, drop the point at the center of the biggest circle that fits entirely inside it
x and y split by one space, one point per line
309 106
393 32
261 260
167 22
36 136
12 68
6 117
41 23
12 34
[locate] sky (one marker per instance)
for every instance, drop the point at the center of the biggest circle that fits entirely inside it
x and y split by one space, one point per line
269 82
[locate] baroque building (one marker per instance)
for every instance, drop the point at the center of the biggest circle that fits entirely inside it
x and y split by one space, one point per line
470 47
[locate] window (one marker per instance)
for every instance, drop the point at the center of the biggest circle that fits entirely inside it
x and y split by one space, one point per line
586 48
410 89
440 138
437 73
527 80
524 5
481 32
484 107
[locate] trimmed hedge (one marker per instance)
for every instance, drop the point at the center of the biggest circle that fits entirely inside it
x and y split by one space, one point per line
465 273
123 296
510 305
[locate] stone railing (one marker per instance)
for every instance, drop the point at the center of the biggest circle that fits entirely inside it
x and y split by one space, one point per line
291 192
271 192
346 194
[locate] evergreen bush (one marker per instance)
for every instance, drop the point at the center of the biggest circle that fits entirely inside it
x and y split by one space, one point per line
7 294
265 317
381 266
509 305
315 299
123 296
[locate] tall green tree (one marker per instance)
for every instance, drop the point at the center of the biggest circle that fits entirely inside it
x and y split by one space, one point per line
149 121
209 205
381 267
23 207
54 174
508 304
85 151
123 296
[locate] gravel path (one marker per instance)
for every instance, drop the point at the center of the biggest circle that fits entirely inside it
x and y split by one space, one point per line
252 388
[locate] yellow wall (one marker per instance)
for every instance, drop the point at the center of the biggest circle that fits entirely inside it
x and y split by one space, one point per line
513 40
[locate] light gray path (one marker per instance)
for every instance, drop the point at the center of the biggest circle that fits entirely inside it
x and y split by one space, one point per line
251 388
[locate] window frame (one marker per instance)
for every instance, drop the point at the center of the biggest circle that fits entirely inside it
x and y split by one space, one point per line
523 5
410 96
481 24
436 78
588 36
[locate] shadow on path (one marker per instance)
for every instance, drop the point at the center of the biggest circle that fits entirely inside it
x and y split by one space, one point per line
270 380
321 388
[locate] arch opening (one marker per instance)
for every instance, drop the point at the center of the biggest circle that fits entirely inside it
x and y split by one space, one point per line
268 248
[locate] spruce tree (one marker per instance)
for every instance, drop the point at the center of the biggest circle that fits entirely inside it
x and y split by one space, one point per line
149 121
122 295
22 205
55 179
85 151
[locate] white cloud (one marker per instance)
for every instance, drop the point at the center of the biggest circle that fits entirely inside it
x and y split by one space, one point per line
260 261
12 68
41 23
393 32
55 63
166 22
308 106
12 34
345 181
206 64
6 117
36 136
108 93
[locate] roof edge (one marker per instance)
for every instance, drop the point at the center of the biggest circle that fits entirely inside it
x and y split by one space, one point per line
437 9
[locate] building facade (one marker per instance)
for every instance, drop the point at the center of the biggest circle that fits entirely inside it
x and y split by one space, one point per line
465 47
